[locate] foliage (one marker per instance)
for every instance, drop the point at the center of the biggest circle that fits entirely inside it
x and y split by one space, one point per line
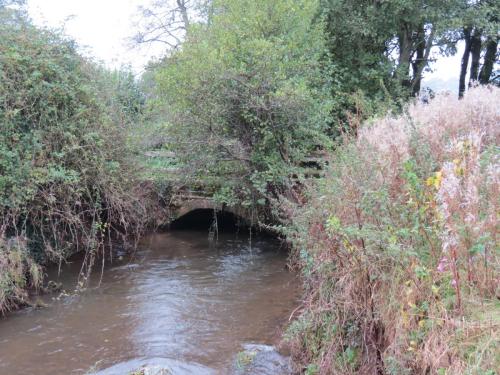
256 87
18 271
66 179
246 98
382 47
398 247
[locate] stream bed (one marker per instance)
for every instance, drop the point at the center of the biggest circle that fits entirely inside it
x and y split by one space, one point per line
180 302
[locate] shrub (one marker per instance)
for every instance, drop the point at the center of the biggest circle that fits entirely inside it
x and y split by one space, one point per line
66 179
398 246
246 98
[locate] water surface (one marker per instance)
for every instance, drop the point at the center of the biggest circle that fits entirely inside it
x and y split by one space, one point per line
180 301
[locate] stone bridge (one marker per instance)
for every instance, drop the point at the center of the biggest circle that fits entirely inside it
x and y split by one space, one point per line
187 202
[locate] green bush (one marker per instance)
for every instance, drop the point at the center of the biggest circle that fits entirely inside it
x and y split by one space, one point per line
66 177
247 97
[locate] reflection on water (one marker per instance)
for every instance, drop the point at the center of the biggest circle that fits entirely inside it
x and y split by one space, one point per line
179 301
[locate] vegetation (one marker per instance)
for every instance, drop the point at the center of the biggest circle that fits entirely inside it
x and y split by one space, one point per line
66 178
383 48
246 97
398 248
257 87
395 234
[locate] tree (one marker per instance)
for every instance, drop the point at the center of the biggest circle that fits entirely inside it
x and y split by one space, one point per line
480 24
386 41
166 21
246 97
421 26
490 58
357 42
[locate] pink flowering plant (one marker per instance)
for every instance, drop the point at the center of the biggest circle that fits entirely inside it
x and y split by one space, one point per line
398 244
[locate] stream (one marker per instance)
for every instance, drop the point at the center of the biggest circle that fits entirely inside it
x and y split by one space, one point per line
181 302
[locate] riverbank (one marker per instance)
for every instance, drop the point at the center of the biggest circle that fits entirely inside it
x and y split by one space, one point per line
398 246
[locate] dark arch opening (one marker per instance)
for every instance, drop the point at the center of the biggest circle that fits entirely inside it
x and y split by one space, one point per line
204 219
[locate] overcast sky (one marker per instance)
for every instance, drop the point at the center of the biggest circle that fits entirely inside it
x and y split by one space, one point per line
102 27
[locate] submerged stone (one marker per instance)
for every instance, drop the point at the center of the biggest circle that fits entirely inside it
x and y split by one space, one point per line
156 366
261 360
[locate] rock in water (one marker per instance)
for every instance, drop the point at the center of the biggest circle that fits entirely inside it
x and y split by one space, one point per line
156 366
261 360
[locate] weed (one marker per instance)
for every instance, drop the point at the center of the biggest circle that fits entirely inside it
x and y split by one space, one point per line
398 246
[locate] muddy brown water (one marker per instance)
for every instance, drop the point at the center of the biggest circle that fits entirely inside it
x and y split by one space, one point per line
181 302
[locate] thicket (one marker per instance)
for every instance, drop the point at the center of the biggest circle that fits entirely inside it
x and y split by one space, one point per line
67 181
398 246
246 98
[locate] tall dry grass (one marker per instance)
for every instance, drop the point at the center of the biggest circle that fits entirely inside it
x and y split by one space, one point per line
18 272
398 246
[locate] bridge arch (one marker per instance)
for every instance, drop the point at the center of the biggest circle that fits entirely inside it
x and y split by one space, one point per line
202 212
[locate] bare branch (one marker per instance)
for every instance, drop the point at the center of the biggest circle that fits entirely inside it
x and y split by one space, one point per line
167 21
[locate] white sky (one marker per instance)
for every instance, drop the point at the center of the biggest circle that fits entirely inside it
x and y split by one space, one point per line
447 67
103 27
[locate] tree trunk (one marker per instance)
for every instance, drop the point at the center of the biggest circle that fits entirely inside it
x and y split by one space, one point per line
465 62
184 13
405 50
418 62
490 58
423 51
475 53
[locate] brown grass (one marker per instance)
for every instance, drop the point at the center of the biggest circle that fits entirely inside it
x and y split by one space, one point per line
18 272
398 246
